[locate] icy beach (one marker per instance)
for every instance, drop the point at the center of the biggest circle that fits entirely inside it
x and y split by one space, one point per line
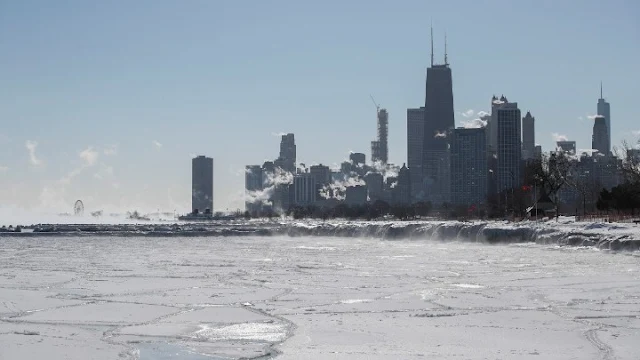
320 291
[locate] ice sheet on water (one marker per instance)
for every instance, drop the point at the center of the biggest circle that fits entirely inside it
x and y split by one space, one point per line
270 332
468 286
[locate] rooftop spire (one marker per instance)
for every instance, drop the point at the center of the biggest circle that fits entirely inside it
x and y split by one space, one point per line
601 89
432 44
446 62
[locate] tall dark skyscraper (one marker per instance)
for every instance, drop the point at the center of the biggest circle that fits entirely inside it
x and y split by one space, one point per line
439 120
287 159
415 141
202 183
600 137
509 146
604 109
528 136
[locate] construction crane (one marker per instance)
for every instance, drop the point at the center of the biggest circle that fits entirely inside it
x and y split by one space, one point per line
374 103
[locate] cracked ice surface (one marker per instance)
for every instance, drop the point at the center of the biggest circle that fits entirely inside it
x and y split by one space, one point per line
313 298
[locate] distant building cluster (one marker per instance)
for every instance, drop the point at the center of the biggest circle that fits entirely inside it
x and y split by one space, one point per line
446 166
276 186
463 166
467 166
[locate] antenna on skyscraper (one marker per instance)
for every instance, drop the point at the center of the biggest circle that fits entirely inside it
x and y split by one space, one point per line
446 62
432 44
601 89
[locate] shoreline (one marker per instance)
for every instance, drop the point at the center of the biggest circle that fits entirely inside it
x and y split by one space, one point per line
606 236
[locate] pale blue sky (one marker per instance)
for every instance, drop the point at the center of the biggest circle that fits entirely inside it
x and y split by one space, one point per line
222 77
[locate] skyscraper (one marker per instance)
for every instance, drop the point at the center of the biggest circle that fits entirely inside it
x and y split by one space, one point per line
287 159
492 125
380 147
469 171
202 184
604 109
402 190
600 137
528 136
321 173
305 189
358 159
509 146
252 184
415 141
439 119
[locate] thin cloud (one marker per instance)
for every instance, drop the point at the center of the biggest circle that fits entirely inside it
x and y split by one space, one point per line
105 171
157 144
559 137
474 124
592 117
70 175
468 113
636 132
3 168
278 134
110 150
31 147
89 155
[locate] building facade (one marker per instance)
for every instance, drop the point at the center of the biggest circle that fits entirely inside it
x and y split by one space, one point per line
604 109
509 152
356 195
528 136
402 190
415 141
201 184
358 159
321 173
287 158
305 191
600 137
375 186
252 184
469 170
439 120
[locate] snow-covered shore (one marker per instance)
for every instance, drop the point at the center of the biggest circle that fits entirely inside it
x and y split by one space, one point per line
565 232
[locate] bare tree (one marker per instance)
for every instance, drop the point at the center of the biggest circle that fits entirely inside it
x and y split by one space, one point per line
630 164
550 173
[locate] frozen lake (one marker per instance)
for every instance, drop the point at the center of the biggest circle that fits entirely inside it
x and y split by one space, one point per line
313 298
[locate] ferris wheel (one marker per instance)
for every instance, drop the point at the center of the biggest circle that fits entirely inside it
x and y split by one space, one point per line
78 208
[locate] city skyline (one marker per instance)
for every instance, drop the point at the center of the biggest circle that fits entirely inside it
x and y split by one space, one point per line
71 137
